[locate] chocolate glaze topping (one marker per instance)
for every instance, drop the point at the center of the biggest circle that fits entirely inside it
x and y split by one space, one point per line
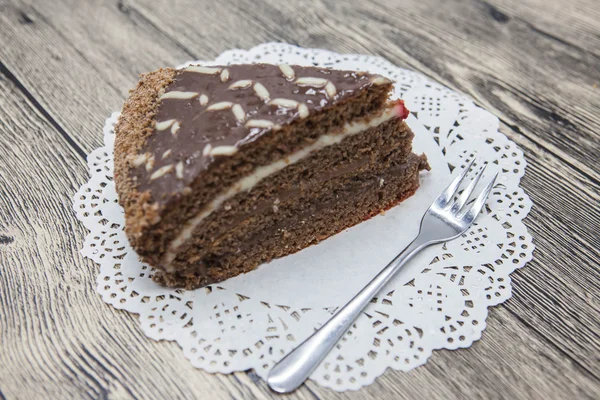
212 112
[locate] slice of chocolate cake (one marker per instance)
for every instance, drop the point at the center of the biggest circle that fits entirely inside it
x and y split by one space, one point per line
222 168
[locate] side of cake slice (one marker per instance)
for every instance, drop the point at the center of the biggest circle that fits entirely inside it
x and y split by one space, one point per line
222 168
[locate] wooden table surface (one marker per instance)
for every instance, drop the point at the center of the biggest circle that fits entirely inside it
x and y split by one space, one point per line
65 65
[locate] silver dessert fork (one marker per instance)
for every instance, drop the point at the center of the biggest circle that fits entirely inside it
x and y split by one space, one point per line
445 219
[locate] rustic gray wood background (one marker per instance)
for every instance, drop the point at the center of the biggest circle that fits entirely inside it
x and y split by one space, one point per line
65 65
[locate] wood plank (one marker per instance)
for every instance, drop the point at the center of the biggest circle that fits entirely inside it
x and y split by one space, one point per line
61 59
575 23
550 313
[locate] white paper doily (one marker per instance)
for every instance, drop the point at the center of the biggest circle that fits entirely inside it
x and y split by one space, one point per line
439 300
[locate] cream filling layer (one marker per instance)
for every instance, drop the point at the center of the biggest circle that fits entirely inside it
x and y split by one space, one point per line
248 182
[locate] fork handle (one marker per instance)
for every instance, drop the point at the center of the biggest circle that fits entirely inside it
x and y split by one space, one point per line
296 367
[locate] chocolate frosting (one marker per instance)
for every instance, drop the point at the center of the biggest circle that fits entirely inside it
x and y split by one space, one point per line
212 112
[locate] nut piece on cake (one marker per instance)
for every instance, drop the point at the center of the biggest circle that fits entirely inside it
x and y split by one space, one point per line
220 169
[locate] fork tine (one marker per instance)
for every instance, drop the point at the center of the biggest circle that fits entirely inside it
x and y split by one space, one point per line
448 193
462 200
470 215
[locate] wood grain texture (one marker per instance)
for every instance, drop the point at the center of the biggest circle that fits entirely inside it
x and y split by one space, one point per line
66 64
